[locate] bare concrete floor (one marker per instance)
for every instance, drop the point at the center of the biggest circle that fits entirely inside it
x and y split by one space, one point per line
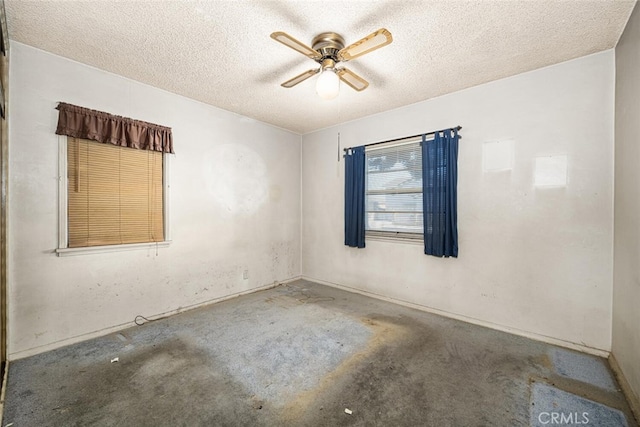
300 354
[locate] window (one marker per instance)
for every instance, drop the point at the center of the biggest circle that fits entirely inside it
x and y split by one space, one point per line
114 195
393 191
406 188
113 191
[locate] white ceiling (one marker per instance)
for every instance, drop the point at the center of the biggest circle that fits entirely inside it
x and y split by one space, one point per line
220 52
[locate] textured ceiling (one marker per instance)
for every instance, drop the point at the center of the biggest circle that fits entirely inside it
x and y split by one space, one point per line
220 52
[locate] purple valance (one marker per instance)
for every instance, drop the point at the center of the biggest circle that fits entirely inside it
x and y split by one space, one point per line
80 122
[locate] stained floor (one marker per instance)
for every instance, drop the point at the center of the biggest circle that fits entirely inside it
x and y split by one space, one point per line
303 354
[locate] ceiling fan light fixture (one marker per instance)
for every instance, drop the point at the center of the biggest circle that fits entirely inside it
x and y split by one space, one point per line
328 50
328 84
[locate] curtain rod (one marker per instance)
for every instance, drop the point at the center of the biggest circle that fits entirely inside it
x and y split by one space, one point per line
406 137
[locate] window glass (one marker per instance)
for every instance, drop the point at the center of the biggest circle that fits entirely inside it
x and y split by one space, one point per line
394 189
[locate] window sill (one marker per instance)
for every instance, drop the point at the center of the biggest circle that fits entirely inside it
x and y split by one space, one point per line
395 239
110 248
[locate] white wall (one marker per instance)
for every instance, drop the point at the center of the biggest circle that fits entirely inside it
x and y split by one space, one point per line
534 261
235 188
626 282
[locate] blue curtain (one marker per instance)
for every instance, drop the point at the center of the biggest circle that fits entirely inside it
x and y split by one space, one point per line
354 198
439 195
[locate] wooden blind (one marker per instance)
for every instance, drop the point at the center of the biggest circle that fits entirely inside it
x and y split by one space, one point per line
114 194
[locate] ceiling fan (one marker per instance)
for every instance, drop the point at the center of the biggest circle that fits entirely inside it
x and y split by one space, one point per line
328 50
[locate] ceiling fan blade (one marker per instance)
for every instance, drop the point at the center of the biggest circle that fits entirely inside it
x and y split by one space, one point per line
302 77
373 41
294 44
352 79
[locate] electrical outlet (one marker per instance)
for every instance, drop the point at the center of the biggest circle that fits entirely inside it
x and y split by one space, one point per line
245 274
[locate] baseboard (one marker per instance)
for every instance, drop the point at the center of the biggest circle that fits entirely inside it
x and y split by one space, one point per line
106 331
632 397
538 337
3 393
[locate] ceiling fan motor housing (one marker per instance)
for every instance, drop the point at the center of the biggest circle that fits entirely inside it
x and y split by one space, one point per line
328 45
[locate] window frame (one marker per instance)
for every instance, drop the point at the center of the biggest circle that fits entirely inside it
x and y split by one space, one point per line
63 215
395 236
